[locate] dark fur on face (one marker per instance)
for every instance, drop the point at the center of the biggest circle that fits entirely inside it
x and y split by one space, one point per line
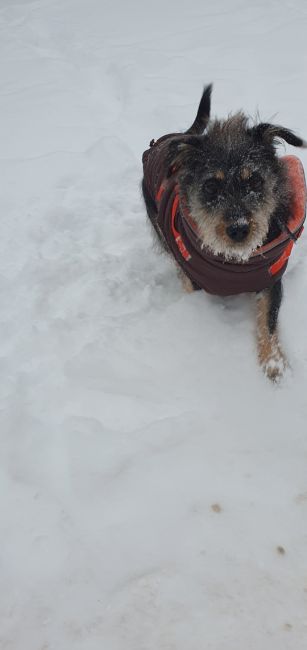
232 181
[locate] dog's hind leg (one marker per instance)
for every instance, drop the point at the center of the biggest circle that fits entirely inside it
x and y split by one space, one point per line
270 354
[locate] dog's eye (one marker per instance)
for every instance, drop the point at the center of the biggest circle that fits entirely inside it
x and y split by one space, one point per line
254 183
212 187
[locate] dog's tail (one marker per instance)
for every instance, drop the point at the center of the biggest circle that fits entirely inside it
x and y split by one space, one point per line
203 113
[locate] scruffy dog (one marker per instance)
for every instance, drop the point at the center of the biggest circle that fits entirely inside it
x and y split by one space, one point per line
221 203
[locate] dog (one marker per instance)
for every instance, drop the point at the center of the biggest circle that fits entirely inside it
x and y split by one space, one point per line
220 201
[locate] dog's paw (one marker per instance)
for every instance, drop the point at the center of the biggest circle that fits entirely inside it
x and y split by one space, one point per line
275 365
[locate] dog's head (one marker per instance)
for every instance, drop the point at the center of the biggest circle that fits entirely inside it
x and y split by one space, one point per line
233 183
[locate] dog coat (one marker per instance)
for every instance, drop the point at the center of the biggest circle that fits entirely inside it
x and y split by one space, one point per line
206 270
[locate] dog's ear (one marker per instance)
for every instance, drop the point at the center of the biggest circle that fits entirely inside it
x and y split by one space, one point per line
183 150
271 133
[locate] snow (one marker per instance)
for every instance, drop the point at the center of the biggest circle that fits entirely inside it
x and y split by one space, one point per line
153 485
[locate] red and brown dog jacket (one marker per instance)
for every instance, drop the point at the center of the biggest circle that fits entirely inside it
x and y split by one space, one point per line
206 270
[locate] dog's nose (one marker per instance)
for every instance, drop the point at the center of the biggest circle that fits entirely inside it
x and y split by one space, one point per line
238 232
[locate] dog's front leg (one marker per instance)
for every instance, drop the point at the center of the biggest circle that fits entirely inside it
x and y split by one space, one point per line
187 284
271 357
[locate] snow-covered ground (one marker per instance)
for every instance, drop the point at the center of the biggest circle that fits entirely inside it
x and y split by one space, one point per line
153 485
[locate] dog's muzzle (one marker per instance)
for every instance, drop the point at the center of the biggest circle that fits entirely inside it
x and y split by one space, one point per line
238 232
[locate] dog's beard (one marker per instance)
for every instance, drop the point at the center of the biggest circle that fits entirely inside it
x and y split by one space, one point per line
212 232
